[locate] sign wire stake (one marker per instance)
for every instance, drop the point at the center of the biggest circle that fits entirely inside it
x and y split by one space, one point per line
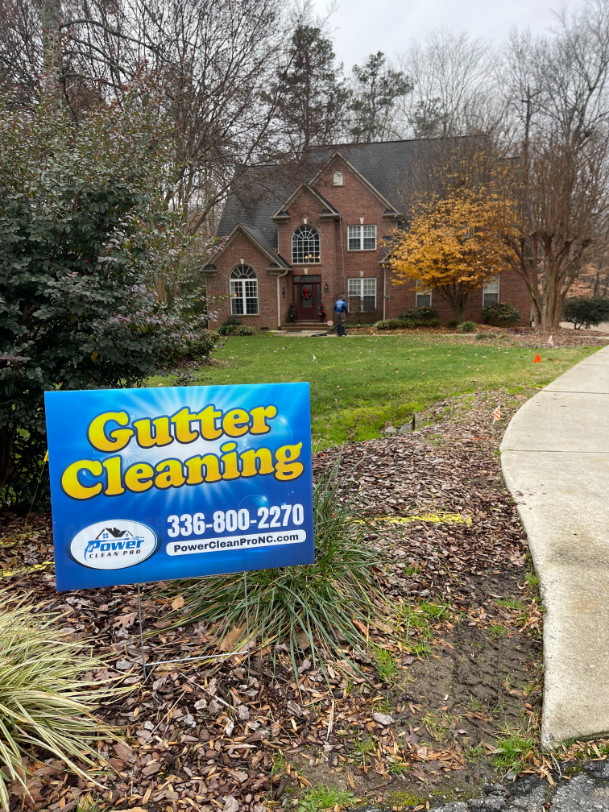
202 656
139 612
247 624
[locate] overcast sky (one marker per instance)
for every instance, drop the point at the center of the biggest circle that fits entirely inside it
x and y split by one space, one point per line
362 27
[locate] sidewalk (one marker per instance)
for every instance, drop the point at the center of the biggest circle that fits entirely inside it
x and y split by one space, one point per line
555 459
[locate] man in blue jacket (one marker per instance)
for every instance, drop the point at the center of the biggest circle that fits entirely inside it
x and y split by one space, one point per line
340 308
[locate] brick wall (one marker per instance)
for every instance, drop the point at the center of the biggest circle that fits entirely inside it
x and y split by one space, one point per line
218 285
511 289
354 201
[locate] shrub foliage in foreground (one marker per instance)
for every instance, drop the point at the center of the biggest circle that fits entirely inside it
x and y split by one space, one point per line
85 240
43 702
316 605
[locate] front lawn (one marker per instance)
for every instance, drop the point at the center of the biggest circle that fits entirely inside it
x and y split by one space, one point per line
362 383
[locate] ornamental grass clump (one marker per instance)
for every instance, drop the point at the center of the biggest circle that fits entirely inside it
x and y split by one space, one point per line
46 702
323 608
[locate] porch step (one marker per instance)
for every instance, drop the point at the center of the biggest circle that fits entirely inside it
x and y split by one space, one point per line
297 326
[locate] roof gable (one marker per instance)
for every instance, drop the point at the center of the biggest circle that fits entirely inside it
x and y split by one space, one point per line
328 210
276 261
390 211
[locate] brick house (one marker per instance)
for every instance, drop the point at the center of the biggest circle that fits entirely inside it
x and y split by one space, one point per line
327 237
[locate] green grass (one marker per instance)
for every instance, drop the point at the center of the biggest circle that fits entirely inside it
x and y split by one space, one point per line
512 748
365 382
386 664
320 798
511 603
363 749
531 579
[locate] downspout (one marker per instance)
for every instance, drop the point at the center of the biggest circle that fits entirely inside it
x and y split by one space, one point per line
384 291
342 251
280 276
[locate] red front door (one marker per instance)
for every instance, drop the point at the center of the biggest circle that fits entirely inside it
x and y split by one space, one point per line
307 297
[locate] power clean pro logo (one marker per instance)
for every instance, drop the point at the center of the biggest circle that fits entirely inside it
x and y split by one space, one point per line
113 544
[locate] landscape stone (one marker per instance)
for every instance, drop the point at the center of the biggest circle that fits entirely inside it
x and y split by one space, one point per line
383 719
492 803
391 430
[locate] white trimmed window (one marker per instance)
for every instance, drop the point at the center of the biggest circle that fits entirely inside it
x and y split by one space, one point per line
305 246
362 295
361 238
490 291
243 292
338 179
422 295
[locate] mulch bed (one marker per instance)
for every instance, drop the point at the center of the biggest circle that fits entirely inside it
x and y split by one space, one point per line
517 336
207 736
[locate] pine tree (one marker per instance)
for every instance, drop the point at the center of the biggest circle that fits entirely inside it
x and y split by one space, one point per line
375 90
313 93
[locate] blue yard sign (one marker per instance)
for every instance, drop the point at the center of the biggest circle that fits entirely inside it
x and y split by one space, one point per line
154 484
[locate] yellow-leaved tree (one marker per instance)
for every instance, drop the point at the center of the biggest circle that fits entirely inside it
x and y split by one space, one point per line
452 245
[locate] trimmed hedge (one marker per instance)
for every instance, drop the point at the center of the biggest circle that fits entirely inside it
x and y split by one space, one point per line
401 324
419 314
389 324
500 313
585 312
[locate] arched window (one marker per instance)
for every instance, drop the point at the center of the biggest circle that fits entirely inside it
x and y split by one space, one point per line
243 291
305 246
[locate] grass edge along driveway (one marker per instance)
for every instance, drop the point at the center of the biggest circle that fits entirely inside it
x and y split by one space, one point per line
363 383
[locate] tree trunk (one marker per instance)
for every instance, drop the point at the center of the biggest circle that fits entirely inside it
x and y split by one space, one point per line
457 299
7 437
50 19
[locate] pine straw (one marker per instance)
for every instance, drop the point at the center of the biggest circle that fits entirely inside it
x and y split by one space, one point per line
326 607
44 701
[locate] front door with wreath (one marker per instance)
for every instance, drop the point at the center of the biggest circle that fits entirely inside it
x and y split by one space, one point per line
307 290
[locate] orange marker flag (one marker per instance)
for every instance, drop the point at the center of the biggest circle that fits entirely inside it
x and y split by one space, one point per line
537 359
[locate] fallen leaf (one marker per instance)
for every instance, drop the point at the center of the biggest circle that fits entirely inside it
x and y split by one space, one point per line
124 621
177 603
230 638
123 751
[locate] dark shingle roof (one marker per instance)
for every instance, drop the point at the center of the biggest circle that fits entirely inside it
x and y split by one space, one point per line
274 257
384 164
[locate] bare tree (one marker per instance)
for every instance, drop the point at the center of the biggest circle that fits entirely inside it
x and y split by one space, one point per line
211 62
453 91
557 193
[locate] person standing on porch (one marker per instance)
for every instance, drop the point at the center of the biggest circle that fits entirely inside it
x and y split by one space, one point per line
340 308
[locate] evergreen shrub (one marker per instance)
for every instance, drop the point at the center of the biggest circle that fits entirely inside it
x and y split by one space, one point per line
500 313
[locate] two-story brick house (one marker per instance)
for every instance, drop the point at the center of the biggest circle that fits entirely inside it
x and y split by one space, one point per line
327 237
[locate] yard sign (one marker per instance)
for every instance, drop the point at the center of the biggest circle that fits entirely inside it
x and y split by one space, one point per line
176 482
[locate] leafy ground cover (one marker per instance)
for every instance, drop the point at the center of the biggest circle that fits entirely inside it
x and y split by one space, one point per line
450 698
362 384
